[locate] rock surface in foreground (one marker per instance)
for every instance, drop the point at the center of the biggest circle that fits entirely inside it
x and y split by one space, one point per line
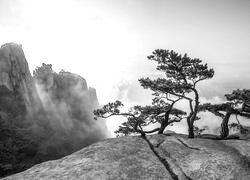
132 158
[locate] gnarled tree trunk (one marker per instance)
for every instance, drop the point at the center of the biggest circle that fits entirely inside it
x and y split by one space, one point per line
193 114
190 130
224 126
164 124
161 130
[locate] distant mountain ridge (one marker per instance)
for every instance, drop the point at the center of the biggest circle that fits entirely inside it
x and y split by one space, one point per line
42 117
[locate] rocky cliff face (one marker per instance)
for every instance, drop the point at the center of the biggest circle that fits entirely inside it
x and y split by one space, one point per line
68 104
43 117
15 74
66 99
18 102
64 85
14 70
169 156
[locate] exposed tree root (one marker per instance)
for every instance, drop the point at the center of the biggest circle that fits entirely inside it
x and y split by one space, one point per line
182 142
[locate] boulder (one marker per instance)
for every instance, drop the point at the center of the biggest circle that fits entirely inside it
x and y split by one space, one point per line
169 156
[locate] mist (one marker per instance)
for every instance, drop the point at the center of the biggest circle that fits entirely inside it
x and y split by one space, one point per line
44 117
67 105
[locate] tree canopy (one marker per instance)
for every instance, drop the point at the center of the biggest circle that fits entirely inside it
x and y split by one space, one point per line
236 104
138 117
182 74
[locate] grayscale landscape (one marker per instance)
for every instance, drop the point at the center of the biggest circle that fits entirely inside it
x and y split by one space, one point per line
124 89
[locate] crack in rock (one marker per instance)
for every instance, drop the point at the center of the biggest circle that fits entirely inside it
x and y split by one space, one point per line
158 144
172 171
182 142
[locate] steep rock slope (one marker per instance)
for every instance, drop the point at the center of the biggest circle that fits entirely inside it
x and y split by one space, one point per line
156 157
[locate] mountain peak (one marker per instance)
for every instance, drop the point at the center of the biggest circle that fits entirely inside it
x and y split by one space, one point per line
14 71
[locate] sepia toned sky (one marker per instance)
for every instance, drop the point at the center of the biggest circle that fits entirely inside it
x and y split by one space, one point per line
107 41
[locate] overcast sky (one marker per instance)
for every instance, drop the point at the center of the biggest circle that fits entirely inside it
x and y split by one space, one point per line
107 41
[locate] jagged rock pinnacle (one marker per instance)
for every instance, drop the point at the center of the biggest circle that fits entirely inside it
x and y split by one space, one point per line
14 72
